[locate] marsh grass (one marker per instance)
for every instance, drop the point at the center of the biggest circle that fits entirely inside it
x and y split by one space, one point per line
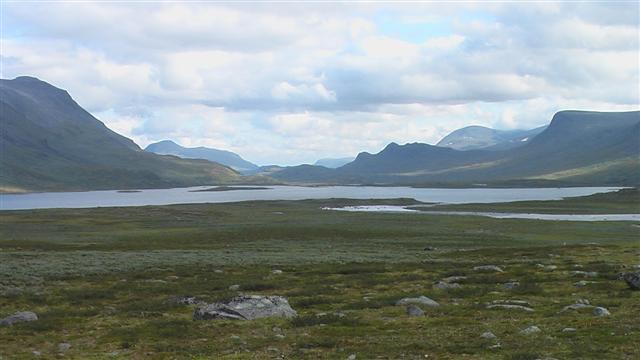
102 279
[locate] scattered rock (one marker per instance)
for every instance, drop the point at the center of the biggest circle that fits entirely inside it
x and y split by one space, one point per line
351 357
429 248
632 279
414 311
510 302
496 346
579 305
511 285
63 347
600 311
441 285
512 307
567 330
454 279
19 317
546 267
530 330
488 335
488 268
276 272
234 287
218 271
184 300
247 307
172 277
582 283
579 273
280 336
421 300
36 353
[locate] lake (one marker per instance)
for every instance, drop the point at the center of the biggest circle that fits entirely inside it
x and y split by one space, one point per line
88 199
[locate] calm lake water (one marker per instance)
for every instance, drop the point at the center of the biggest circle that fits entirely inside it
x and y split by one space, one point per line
187 195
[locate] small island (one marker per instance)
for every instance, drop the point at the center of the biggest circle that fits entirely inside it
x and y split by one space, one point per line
231 188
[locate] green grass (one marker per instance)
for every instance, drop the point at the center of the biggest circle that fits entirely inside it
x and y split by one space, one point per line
103 279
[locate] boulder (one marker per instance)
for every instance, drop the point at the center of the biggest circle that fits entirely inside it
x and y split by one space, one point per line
421 300
248 307
530 330
414 311
488 268
632 279
579 273
488 335
19 317
442 285
600 311
511 285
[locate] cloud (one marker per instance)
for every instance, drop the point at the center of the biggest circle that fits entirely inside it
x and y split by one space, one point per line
291 83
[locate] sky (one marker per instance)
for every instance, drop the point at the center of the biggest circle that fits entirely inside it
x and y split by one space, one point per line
291 82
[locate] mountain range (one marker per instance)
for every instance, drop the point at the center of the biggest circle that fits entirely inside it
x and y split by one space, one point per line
228 158
480 137
50 143
577 148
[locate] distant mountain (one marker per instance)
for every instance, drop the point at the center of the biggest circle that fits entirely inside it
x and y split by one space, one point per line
577 148
480 137
50 143
228 158
333 163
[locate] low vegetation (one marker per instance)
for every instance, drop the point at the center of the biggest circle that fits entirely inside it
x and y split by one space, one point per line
104 281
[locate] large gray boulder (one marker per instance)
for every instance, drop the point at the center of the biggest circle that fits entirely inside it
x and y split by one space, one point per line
19 317
421 300
246 307
632 279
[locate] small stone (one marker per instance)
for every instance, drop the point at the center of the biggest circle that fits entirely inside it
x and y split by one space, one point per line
280 336
567 330
276 272
63 347
19 317
488 335
421 300
172 277
579 273
429 248
582 283
414 311
441 285
511 285
234 287
632 280
351 357
495 346
36 353
454 279
488 268
218 271
530 330
600 311
510 307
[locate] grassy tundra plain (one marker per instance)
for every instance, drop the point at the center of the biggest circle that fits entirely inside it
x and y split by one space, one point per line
102 280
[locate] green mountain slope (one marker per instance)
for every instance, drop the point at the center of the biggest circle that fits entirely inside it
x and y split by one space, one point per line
577 148
50 143
227 158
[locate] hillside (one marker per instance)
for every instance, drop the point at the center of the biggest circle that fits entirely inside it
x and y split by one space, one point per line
480 137
333 163
227 158
577 148
49 142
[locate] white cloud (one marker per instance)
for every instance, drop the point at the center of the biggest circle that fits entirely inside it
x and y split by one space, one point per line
291 82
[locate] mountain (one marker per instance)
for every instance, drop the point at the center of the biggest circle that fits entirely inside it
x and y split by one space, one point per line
577 148
49 142
333 163
228 158
480 137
